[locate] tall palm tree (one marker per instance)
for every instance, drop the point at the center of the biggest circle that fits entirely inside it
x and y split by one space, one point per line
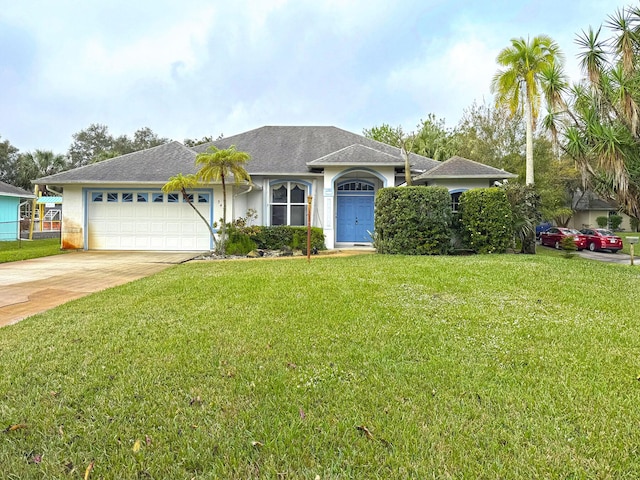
218 165
603 134
519 85
180 183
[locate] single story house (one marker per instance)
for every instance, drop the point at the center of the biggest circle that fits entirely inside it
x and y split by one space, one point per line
10 200
588 206
117 204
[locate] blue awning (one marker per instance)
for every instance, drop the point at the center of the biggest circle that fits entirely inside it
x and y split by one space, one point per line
56 200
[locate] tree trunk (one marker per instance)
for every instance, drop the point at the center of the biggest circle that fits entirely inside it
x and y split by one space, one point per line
211 232
529 243
407 166
223 236
529 149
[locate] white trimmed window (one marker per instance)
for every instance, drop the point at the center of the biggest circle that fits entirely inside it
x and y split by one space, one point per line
288 204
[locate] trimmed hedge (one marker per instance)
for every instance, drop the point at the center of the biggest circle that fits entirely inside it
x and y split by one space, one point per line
277 237
486 220
615 221
413 221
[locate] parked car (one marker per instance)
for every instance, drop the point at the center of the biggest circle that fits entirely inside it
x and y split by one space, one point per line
602 239
542 227
554 235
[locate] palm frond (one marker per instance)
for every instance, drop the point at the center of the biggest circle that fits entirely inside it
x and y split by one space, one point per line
623 43
593 59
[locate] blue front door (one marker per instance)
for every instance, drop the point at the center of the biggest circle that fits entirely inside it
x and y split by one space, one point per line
355 218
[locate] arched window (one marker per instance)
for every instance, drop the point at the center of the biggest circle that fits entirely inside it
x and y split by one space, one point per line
355 186
288 204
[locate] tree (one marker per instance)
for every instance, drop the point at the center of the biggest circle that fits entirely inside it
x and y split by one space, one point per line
395 137
40 163
95 144
385 134
518 86
602 126
143 138
8 160
90 144
180 183
433 140
217 165
188 142
491 136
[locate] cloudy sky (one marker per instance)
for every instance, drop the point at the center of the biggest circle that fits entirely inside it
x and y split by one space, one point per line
191 68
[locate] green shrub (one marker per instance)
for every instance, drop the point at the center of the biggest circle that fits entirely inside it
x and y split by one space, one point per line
413 221
239 243
603 222
568 246
277 237
635 224
486 220
525 214
615 221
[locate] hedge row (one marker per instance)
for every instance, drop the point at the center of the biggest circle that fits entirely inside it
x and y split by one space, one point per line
413 221
419 221
486 220
243 240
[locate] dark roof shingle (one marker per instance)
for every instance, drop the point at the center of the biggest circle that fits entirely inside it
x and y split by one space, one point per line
153 165
9 190
459 167
291 149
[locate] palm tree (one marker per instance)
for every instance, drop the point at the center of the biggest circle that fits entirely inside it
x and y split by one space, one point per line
519 85
40 163
180 183
217 165
603 134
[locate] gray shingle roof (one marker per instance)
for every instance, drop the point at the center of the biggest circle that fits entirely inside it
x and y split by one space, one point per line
154 165
458 167
8 190
357 155
274 151
281 150
591 201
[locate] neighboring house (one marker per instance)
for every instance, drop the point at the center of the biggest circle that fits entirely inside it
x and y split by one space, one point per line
48 217
588 206
117 204
10 200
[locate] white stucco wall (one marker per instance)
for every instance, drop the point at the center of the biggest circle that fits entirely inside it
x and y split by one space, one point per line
384 176
584 219
72 229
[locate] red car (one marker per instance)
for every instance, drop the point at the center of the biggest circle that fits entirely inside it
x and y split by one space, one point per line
602 239
553 237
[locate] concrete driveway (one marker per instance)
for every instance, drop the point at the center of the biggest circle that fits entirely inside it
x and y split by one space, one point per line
32 286
621 258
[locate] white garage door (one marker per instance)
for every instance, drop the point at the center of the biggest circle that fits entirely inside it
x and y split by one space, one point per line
147 220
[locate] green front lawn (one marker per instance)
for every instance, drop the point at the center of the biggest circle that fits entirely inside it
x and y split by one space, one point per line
25 249
371 366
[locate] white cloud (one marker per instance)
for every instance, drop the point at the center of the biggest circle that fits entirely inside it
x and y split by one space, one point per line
447 78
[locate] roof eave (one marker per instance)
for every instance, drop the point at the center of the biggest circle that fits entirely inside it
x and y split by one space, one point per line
437 177
17 195
286 174
355 164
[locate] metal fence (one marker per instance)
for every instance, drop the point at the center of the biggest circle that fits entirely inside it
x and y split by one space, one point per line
19 230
